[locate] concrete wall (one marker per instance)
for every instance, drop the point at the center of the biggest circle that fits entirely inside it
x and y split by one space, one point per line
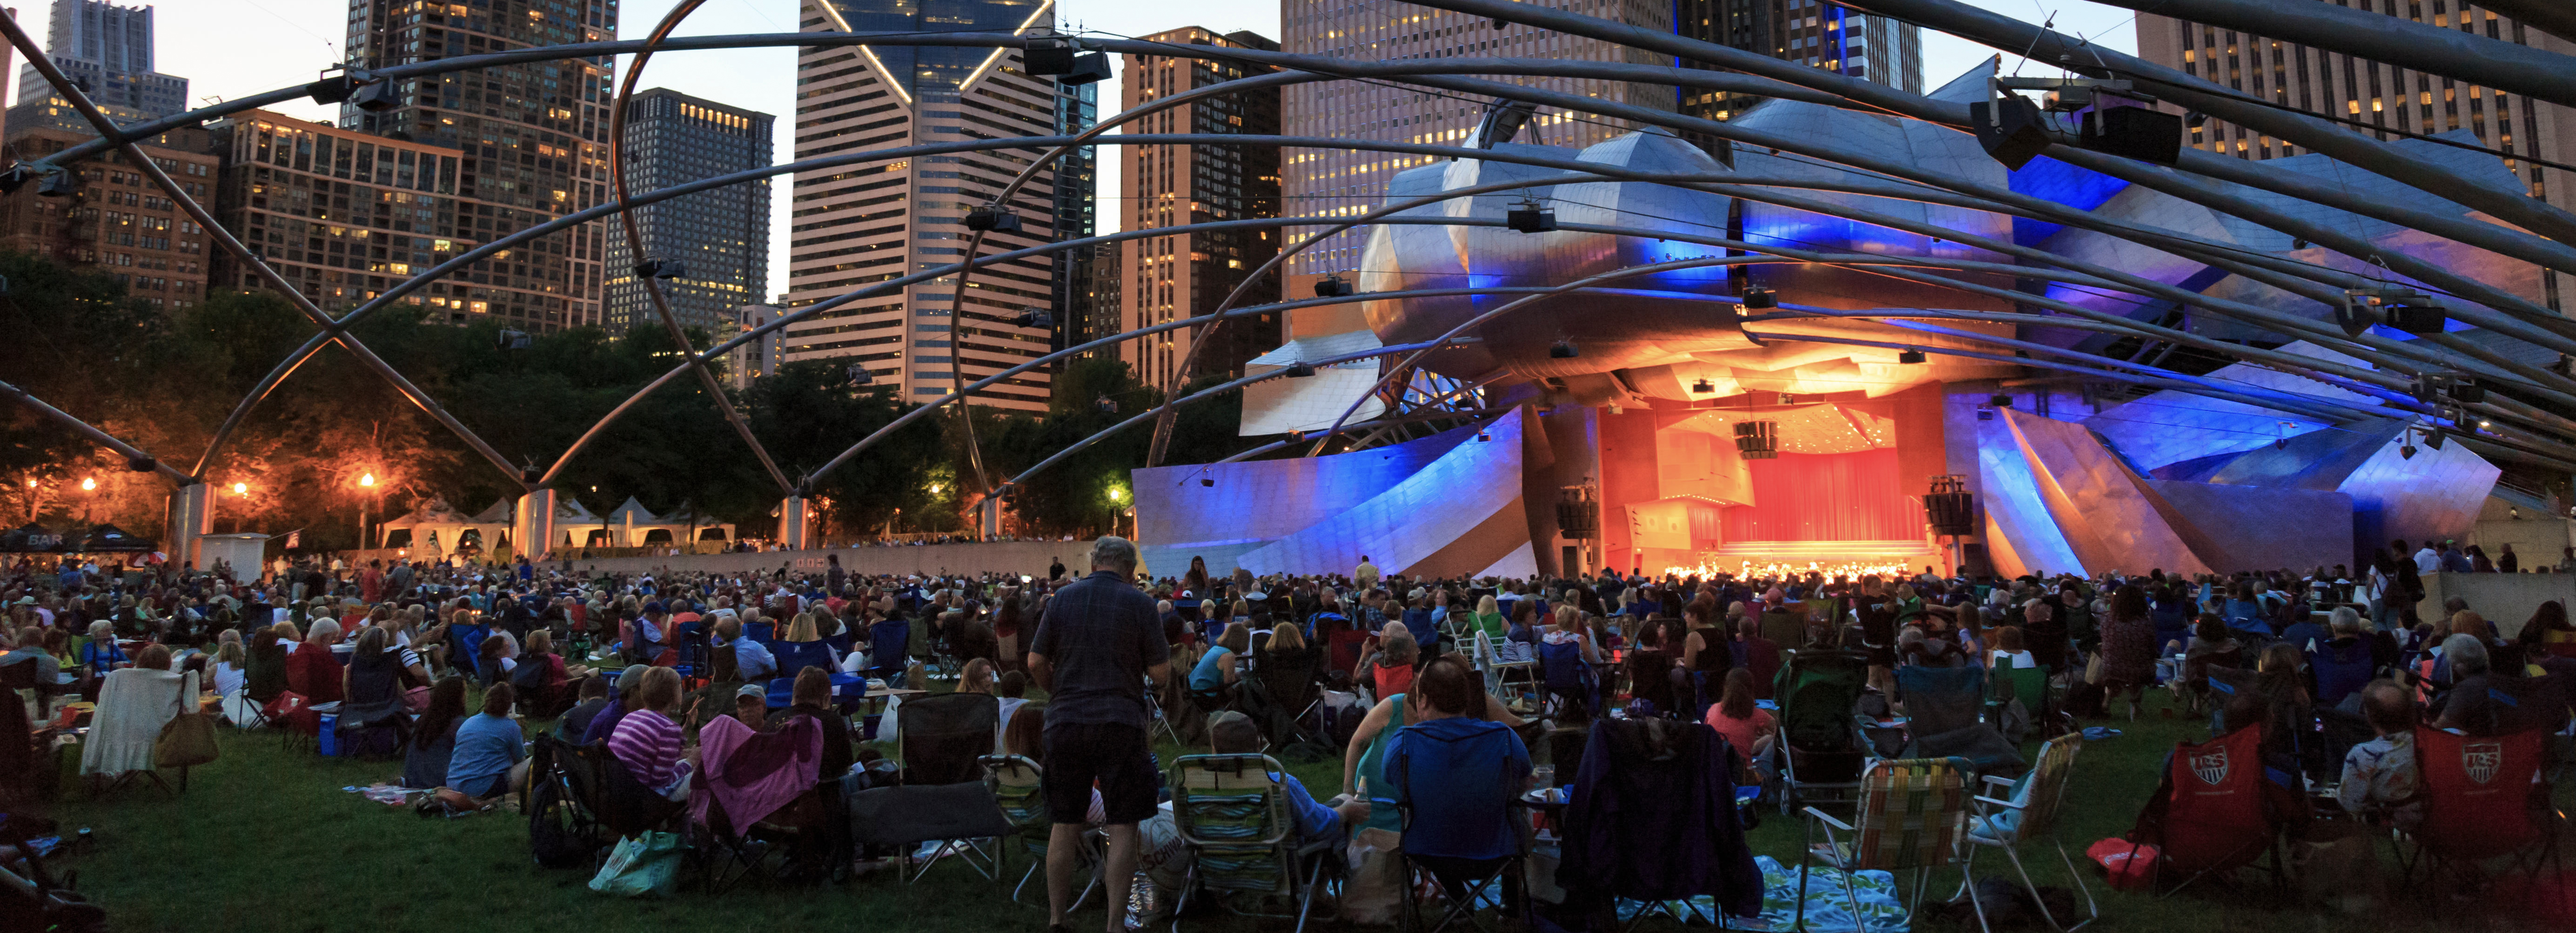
1021 557
2506 599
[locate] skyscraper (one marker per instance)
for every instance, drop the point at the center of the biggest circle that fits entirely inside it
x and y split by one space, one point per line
1188 274
533 137
2385 96
1820 35
720 237
117 223
861 224
1077 211
107 50
1341 183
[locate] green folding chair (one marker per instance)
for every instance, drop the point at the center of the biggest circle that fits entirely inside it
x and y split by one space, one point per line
1910 815
1243 838
1020 785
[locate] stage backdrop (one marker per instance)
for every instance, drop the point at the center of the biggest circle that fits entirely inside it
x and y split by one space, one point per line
1826 497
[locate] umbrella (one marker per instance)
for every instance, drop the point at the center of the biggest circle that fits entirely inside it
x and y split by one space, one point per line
106 538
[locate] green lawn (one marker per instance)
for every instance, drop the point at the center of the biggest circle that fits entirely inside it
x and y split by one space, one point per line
266 840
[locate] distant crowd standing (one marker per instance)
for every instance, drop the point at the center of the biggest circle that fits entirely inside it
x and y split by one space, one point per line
442 665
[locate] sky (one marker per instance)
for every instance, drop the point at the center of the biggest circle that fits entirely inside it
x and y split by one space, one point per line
230 48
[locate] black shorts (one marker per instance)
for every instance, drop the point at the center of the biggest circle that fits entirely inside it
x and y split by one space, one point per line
1114 755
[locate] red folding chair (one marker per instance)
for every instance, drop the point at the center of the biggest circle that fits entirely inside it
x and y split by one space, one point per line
2207 815
2482 800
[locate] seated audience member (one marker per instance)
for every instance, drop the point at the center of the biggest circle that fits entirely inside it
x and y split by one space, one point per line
2466 706
1567 627
1747 727
1222 666
228 671
813 700
433 735
490 752
621 702
2380 773
752 659
1913 647
648 740
751 706
2009 652
594 698
1761 655
497 656
1233 733
1453 706
264 672
1389 671
976 677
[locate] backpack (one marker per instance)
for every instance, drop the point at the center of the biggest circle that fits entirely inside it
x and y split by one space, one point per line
557 839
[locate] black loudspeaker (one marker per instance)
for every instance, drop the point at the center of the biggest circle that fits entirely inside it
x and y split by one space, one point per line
2134 133
1578 515
2013 137
2417 319
1047 60
1757 440
1949 507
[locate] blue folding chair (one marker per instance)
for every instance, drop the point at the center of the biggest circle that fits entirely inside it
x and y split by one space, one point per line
2340 670
465 648
888 642
762 632
692 639
1457 788
1566 676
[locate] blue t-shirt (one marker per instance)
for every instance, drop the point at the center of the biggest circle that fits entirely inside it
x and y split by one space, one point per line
1210 672
753 659
486 747
1466 759
1315 821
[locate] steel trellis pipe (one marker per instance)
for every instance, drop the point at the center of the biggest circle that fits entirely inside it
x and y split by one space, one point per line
617 154
215 231
95 434
2452 53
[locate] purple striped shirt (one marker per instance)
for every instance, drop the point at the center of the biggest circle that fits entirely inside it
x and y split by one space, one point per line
648 744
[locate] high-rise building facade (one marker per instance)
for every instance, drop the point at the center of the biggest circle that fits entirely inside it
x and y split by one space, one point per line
1077 210
341 213
719 238
2384 96
1187 274
117 222
855 225
1103 285
533 139
1337 183
106 50
1817 34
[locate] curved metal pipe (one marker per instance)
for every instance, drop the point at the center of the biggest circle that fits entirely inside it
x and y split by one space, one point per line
96 435
2452 53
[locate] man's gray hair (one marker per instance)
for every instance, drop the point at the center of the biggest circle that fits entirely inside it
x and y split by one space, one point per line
2468 656
2344 619
1112 552
324 629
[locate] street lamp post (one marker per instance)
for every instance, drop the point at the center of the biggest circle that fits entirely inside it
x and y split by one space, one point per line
89 485
367 482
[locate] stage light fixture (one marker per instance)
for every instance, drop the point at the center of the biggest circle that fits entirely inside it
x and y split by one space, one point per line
1088 68
2433 438
2296 243
59 183
1482 437
16 176
1531 218
1985 413
1563 350
141 464
2133 133
1209 481
1759 298
858 374
991 217
1999 400
1047 58
1035 317
1703 387
1300 370
2468 392
2418 319
1910 356
1107 405
508 340
1333 286
376 96
2406 452
332 89
2010 129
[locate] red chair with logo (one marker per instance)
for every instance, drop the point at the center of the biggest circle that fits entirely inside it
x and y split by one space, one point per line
2482 800
2207 816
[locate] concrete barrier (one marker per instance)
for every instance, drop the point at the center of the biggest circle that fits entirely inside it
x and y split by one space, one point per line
2506 599
1029 558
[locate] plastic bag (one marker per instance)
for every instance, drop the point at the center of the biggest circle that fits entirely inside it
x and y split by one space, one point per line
641 866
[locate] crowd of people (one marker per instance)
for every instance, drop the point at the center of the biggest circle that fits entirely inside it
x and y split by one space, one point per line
393 657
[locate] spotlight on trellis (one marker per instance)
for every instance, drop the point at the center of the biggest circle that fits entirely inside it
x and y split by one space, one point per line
1703 387
1034 317
1046 58
1531 218
858 374
1910 356
1758 298
1300 370
991 217
1333 286
1563 350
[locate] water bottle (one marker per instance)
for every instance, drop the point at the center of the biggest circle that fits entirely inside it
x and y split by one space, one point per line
1144 902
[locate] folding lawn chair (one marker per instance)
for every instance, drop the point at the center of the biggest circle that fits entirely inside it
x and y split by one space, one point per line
1464 825
2483 800
1288 691
1822 744
2207 815
886 652
942 739
561 802
1233 811
1909 815
737 839
2031 812
1943 707
1567 678
1020 787
1657 798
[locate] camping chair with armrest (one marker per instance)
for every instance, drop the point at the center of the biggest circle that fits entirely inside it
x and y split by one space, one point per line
691 638
1943 718
133 706
1567 677
465 650
2339 671
1823 750
1785 627
738 842
1476 837
1234 812
942 739
2483 800
2193 685
886 658
1288 691
2207 816
1020 786
793 658
1909 815
2035 804
562 801
763 632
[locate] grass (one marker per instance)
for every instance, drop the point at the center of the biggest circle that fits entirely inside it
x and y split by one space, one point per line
266 840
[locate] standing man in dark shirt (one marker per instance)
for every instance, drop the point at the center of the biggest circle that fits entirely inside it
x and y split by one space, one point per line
1098 641
1055 569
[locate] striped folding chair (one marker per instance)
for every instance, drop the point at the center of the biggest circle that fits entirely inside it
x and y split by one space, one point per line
1910 815
1234 814
1020 785
2032 811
